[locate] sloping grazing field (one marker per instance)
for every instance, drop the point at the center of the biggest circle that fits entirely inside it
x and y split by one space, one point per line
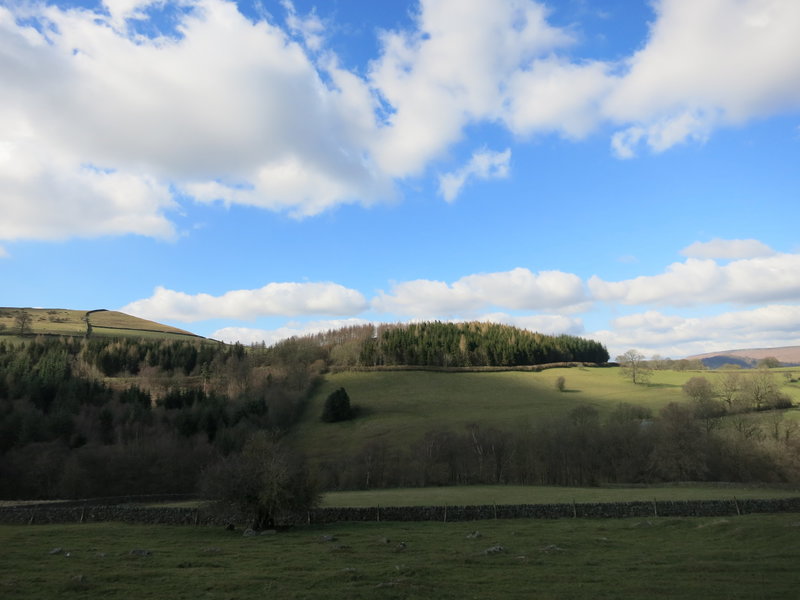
110 319
753 556
58 321
398 407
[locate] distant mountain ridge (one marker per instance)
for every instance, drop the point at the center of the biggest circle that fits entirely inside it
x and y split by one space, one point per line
749 357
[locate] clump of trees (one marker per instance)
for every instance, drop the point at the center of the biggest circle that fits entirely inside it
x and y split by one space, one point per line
474 344
264 483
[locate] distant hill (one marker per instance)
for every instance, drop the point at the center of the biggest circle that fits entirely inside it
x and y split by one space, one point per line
748 358
99 322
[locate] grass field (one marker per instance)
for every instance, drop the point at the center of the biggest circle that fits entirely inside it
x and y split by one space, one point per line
57 321
753 556
525 494
398 407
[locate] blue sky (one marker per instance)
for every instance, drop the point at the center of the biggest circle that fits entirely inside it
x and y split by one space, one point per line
621 170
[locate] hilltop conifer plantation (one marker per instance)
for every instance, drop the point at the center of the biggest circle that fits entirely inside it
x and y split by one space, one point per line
91 415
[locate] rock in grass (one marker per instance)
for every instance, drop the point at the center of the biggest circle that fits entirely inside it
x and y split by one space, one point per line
495 550
55 551
474 535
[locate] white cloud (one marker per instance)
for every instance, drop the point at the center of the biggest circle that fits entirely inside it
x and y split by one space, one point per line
669 335
285 299
107 120
248 336
707 64
518 289
728 249
451 70
309 27
694 282
548 324
89 92
556 95
483 165
4 253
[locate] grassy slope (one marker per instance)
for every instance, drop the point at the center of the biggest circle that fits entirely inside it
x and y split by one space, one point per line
399 407
753 556
57 321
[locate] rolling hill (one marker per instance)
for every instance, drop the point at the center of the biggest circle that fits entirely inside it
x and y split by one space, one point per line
99 322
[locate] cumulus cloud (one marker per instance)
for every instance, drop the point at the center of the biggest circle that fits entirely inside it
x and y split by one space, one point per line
703 281
82 90
518 289
451 70
728 249
677 336
247 336
485 164
107 120
706 64
284 299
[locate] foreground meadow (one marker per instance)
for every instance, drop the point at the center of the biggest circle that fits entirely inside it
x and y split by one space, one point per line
753 556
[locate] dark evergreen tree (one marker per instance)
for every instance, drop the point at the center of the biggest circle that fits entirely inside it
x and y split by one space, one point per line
337 407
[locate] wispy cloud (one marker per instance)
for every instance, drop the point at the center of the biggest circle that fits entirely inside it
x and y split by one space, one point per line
483 165
728 249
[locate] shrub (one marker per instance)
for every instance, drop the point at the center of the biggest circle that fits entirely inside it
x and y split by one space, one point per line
561 384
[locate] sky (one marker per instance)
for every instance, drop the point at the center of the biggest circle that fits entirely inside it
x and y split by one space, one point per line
619 170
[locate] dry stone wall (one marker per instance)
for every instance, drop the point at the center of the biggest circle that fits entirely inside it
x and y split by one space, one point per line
73 513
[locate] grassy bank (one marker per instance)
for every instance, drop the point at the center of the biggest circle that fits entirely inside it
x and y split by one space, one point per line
743 557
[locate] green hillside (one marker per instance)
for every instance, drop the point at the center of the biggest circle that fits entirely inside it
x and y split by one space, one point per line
66 322
398 407
423 428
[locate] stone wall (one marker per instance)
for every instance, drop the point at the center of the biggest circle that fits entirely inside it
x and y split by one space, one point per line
56 513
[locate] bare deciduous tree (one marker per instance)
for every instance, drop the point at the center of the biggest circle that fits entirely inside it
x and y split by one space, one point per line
634 366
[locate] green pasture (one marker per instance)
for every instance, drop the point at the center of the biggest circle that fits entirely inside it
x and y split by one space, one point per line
113 320
526 494
752 556
57 321
398 407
